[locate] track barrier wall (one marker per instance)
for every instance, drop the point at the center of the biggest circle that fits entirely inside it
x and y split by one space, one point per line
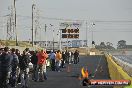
116 72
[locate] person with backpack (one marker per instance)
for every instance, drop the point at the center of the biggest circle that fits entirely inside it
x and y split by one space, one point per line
41 65
5 68
24 68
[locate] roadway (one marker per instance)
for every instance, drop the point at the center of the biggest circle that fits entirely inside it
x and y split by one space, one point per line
69 78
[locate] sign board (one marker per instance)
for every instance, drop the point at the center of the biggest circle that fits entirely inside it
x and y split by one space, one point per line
70 30
71 24
70 36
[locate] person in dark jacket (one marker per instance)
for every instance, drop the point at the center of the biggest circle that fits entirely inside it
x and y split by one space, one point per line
6 68
24 68
76 55
15 63
34 60
63 59
67 56
18 70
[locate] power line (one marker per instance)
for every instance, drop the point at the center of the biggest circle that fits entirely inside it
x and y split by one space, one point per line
115 21
63 19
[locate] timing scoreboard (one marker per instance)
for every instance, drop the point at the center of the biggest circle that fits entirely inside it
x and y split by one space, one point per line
70 30
70 33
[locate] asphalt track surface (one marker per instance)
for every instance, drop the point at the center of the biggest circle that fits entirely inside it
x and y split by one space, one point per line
69 78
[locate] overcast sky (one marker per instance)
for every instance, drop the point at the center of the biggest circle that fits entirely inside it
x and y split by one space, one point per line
112 18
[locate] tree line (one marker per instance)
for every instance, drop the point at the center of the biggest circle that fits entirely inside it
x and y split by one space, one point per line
121 44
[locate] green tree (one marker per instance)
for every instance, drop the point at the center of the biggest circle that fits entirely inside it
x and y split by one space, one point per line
121 44
109 45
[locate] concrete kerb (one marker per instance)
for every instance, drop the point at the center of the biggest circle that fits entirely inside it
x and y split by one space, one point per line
125 66
116 72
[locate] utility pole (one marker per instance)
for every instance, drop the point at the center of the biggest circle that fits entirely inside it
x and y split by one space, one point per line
86 34
67 43
67 38
86 38
15 22
46 35
33 24
10 23
93 42
53 35
60 40
53 39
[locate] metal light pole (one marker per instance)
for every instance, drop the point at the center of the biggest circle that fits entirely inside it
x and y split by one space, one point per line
53 36
32 24
86 34
67 38
45 35
92 36
60 40
15 22
86 38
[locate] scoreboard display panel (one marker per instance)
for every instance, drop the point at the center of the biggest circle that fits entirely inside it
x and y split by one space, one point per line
70 35
70 30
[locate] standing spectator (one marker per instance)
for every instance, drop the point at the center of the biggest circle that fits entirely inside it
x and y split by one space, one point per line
72 56
34 60
41 65
18 70
15 63
24 67
52 60
1 51
58 60
63 59
5 68
76 57
67 56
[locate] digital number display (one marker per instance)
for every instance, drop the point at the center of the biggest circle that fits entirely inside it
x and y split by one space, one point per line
64 30
70 30
76 30
70 35
64 35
